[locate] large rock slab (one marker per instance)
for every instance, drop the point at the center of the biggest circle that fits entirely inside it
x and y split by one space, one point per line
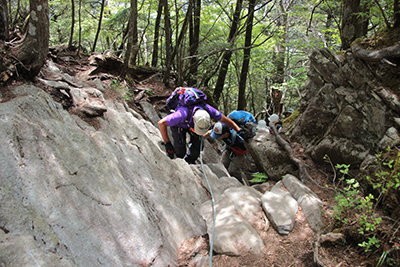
309 202
22 251
96 193
281 208
236 209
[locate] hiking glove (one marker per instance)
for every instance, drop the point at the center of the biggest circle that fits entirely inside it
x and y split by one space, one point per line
245 134
170 150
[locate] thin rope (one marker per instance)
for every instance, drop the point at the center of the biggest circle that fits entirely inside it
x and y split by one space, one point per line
212 201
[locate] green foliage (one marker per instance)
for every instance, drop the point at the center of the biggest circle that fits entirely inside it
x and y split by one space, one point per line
387 176
124 92
353 209
259 178
308 25
150 92
350 202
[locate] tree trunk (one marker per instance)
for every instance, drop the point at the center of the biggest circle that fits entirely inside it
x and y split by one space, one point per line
33 49
396 10
328 25
3 20
219 86
157 34
134 25
375 56
179 42
128 61
246 57
125 32
194 38
71 36
80 27
279 62
168 43
352 26
99 26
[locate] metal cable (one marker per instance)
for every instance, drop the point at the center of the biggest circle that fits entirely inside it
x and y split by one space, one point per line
212 200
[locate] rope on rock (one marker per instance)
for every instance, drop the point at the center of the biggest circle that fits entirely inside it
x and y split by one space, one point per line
212 200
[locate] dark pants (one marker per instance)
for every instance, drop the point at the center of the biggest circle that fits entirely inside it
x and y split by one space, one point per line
179 136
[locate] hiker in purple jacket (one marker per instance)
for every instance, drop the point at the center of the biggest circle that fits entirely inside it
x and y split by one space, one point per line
196 122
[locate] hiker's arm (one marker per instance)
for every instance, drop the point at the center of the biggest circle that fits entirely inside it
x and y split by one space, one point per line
230 123
162 124
208 134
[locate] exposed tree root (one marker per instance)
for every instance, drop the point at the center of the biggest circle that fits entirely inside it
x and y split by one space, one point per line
375 56
332 237
301 165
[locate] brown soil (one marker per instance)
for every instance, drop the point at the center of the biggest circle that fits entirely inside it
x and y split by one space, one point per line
295 249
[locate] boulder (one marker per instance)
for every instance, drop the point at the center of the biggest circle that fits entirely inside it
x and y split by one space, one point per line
269 156
281 208
309 202
235 212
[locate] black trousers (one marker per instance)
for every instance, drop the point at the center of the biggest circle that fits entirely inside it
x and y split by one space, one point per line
179 135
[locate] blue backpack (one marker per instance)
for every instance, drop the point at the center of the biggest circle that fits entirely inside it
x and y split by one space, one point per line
241 117
244 120
186 97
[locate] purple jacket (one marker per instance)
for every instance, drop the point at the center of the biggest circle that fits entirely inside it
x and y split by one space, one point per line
179 117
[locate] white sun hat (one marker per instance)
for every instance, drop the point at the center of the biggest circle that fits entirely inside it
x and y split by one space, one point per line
261 124
201 121
273 118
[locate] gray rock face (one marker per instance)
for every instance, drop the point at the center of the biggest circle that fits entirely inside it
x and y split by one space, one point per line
103 192
107 197
28 254
342 113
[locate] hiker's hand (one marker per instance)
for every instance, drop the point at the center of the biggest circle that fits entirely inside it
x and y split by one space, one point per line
170 150
245 134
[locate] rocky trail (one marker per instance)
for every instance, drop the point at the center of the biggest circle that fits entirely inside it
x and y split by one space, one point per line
295 249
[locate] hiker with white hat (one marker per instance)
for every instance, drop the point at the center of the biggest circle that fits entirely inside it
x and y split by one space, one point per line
275 119
233 156
193 120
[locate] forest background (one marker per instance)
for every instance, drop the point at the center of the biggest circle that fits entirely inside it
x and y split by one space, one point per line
251 55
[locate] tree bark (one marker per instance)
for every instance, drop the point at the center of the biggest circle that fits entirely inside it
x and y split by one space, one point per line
279 60
396 11
246 57
3 20
194 38
71 36
168 43
219 86
99 26
375 56
32 51
154 58
129 53
352 26
179 42
80 27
